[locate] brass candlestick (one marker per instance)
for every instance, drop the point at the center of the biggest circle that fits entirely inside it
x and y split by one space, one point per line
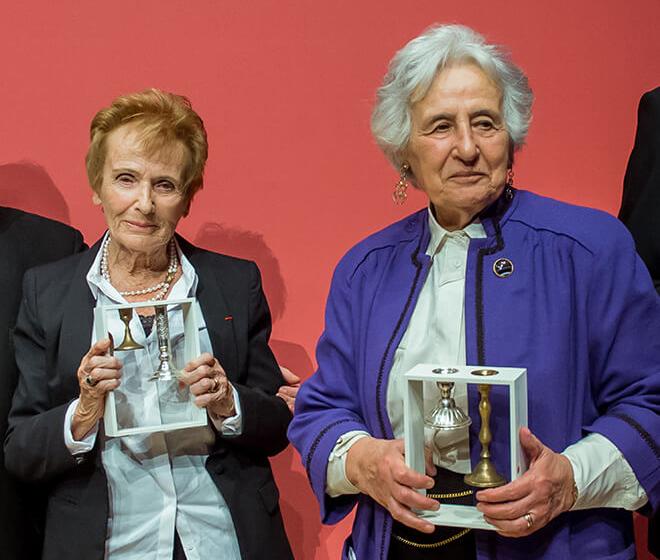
126 314
165 370
484 475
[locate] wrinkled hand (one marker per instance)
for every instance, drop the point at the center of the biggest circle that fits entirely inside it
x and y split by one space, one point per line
377 468
98 373
544 491
289 391
210 386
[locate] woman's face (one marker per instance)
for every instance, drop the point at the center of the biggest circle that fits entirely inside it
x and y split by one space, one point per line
459 149
141 194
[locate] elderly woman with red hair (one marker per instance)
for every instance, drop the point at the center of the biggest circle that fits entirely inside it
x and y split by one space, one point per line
189 493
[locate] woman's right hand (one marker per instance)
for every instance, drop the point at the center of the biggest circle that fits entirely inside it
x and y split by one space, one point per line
98 373
377 468
289 392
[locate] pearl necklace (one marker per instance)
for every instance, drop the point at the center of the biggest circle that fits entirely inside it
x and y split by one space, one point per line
161 288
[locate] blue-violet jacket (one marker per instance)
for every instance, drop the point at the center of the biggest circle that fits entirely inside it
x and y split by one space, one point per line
579 312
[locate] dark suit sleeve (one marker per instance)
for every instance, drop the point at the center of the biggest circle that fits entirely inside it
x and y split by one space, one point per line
34 241
640 205
34 445
265 416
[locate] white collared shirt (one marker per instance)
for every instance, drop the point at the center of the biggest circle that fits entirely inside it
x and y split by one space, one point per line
436 334
158 482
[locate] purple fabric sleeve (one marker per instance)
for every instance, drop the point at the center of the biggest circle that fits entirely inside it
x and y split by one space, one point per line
327 405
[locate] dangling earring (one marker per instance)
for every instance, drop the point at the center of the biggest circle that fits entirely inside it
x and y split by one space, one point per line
508 187
400 189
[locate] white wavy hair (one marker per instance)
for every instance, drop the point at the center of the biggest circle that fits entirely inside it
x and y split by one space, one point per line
411 73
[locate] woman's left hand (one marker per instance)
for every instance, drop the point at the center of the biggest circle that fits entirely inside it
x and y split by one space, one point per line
209 383
530 502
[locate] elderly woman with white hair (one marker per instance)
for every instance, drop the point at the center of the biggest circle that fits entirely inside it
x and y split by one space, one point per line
486 274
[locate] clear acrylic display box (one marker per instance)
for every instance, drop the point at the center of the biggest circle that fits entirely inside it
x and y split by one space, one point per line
146 402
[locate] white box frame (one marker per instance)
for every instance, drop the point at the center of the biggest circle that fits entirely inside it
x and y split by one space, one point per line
191 350
413 417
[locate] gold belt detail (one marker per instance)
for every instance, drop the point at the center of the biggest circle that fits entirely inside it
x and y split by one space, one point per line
450 496
435 544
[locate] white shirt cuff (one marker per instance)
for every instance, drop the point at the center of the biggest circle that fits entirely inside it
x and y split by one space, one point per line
87 443
336 483
233 425
603 476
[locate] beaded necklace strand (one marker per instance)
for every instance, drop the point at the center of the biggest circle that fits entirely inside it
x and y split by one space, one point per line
161 288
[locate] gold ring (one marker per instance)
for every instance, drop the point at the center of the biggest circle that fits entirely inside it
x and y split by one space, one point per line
530 520
215 386
90 380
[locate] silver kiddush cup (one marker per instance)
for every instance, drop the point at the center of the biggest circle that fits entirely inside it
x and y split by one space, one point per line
446 416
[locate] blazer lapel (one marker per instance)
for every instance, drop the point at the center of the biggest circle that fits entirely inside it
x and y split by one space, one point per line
213 302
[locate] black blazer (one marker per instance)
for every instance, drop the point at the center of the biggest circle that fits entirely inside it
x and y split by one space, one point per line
26 240
640 206
52 334
640 211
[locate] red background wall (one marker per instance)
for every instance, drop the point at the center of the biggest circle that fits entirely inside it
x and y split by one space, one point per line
286 89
